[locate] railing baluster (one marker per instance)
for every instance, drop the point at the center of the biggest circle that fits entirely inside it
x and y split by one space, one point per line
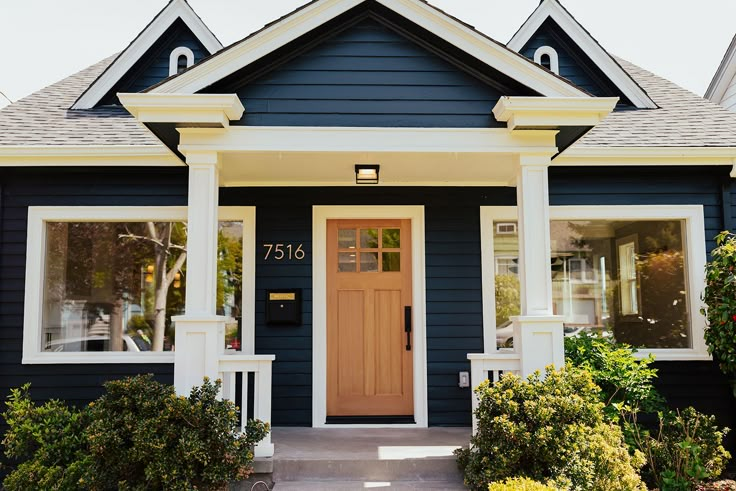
244 401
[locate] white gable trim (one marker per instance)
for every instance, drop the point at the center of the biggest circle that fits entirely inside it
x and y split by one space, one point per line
314 15
723 78
604 61
176 9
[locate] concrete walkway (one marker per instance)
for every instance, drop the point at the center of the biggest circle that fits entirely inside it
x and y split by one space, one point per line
347 459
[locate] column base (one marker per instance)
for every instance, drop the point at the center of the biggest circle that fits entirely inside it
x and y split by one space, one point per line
198 345
540 341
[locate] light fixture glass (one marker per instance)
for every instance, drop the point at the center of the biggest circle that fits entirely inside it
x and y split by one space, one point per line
367 173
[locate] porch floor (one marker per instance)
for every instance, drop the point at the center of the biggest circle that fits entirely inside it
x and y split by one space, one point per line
386 458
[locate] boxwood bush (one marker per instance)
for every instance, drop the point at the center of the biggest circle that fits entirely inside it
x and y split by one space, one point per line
519 484
550 429
138 436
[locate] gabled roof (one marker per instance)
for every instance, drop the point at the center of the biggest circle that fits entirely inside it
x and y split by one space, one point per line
552 9
175 9
724 75
319 12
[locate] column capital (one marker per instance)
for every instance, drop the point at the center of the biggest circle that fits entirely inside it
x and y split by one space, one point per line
203 158
535 159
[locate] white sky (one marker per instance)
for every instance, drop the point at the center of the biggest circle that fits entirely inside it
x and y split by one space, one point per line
43 41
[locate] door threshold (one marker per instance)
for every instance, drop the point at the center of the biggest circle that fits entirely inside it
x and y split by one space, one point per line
370 420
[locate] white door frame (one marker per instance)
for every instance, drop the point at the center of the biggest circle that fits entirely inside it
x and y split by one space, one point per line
320 215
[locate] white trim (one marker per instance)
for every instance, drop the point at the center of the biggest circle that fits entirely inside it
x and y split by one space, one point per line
534 113
316 14
554 58
176 9
88 156
35 267
638 156
191 109
354 139
694 243
586 42
177 53
320 215
724 76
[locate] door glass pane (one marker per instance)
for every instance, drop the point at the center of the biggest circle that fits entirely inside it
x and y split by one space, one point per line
391 238
368 262
346 262
369 238
346 239
391 261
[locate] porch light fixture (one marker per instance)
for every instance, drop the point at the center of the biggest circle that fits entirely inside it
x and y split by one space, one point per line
366 174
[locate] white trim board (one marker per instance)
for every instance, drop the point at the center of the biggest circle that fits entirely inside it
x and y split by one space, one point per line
35 267
320 215
695 257
314 15
88 156
176 9
586 42
724 76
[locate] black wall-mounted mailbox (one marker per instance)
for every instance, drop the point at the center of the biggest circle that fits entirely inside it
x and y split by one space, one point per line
284 307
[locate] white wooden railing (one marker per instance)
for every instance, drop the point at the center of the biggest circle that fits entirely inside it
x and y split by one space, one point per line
260 366
491 366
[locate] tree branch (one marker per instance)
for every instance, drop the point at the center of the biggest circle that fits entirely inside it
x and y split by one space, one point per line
176 268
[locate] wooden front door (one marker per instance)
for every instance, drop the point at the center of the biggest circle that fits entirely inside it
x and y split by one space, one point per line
369 300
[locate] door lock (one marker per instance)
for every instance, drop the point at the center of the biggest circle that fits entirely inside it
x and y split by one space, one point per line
407 327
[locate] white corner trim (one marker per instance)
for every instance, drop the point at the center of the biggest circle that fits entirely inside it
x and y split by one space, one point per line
591 47
554 59
177 9
197 109
724 75
88 156
174 59
320 215
635 156
314 15
35 267
695 254
552 112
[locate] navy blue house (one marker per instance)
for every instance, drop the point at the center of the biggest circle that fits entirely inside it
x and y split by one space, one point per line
367 205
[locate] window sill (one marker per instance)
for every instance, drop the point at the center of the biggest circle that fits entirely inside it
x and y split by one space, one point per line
97 358
674 355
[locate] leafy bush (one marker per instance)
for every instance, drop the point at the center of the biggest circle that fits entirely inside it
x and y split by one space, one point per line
48 440
720 299
551 430
138 435
626 382
686 450
519 484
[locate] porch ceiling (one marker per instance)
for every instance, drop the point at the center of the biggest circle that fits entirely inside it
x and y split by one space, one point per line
338 168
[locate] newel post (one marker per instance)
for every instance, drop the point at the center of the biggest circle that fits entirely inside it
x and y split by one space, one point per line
200 334
538 333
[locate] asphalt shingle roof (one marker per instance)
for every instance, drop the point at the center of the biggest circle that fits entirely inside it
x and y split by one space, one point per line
683 120
44 118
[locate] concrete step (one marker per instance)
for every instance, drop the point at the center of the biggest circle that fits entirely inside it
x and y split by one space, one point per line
367 485
407 469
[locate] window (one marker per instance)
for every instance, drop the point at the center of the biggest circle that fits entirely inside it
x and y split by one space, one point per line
104 283
180 59
629 272
548 58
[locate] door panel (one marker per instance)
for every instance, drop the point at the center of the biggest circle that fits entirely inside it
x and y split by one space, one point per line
370 370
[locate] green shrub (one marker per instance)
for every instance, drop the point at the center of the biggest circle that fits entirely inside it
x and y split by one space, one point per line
551 430
138 435
686 449
720 299
519 484
49 442
143 436
626 382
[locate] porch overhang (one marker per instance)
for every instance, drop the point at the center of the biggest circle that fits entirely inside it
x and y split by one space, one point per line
325 156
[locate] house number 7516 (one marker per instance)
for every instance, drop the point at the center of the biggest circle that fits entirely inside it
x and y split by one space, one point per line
279 252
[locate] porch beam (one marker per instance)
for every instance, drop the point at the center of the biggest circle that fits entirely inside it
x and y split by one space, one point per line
534 113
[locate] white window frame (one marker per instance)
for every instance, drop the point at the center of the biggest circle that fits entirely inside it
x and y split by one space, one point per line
554 59
38 216
174 59
693 242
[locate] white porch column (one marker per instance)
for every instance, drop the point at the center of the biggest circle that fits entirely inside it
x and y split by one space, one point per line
538 334
200 334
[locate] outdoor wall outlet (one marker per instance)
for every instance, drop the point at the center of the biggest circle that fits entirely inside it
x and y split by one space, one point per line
464 380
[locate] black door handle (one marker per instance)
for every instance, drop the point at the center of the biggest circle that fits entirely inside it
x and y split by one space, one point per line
407 327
